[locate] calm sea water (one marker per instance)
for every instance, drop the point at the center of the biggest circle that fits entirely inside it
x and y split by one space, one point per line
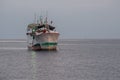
74 60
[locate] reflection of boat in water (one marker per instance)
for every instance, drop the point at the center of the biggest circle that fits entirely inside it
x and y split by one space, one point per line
42 36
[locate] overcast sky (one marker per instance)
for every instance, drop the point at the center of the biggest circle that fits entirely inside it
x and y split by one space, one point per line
74 19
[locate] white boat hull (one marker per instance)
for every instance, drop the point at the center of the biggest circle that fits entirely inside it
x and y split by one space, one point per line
47 41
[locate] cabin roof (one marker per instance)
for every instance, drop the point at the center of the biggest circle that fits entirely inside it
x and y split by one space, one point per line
33 25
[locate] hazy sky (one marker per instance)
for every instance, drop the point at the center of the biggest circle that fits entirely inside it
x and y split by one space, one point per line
72 18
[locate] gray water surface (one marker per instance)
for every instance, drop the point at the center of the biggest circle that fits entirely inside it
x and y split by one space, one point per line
74 60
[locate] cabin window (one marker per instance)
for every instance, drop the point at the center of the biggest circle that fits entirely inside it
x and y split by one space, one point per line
28 29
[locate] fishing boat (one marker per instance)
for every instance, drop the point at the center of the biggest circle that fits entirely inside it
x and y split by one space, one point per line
42 36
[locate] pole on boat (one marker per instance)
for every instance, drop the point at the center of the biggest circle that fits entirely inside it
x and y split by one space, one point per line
46 20
41 21
34 17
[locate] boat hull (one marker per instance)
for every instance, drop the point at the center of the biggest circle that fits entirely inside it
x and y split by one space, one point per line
44 41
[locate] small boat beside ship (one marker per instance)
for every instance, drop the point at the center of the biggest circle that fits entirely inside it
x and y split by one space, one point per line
42 36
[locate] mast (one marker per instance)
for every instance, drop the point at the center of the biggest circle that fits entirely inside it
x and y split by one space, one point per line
35 18
41 21
46 21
